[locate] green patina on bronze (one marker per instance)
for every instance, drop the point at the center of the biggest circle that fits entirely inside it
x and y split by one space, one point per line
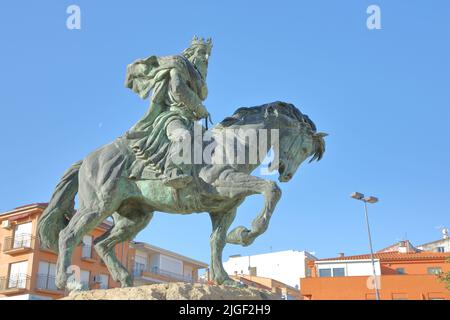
134 176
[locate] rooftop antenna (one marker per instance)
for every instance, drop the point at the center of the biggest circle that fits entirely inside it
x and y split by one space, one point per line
444 231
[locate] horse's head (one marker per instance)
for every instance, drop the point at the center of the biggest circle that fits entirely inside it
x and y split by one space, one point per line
295 137
298 138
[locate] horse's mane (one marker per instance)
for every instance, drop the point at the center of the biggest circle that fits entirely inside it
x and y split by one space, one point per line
287 109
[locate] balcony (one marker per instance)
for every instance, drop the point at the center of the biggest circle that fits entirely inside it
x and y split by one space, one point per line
141 271
20 243
85 285
14 284
46 282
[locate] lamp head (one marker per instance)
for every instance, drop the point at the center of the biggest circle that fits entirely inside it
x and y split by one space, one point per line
371 199
357 195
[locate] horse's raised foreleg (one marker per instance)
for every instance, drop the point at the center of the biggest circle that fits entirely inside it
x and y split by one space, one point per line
236 184
127 224
221 221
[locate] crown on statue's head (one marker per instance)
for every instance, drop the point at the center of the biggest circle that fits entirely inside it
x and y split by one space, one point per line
196 41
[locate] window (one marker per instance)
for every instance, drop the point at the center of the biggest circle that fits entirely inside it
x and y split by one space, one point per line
104 279
440 249
46 276
307 272
86 247
324 272
170 266
18 275
434 270
338 272
140 265
400 270
85 279
138 269
22 236
332 272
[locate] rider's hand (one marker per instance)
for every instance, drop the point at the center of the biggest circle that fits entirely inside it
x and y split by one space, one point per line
201 112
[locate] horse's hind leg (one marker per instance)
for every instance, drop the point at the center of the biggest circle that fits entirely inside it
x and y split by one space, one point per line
83 222
127 223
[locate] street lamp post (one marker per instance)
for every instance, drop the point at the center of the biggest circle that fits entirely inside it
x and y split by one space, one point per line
360 196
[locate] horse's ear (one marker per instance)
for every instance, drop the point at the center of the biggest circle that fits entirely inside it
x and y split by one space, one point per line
270 111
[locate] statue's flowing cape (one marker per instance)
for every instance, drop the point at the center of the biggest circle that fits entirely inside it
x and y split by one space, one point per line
148 136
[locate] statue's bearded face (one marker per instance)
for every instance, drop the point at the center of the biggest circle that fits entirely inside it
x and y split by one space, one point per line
200 60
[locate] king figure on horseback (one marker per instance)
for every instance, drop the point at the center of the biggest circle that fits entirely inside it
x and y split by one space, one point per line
179 89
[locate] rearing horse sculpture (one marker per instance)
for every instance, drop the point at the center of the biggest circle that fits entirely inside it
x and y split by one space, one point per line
105 189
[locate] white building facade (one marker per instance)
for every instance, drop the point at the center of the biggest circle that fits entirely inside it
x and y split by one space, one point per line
442 245
284 266
347 268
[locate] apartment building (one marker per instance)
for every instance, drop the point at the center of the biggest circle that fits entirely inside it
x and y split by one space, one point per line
402 273
157 265
28 272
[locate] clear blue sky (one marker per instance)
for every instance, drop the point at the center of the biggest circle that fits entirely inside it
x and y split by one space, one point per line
382 95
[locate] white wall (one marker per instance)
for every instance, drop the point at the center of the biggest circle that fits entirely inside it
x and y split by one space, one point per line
285 266
170 264
352 267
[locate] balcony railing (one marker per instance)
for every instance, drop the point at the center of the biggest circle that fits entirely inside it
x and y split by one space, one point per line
103 286
84 285
139 270
46 282
19 241
15 282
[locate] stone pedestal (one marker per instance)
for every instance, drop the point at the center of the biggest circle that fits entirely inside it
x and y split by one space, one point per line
175 291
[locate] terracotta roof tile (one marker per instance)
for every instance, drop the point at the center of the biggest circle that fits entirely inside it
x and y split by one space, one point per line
425 255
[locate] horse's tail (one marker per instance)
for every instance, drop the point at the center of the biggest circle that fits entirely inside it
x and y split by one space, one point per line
60 209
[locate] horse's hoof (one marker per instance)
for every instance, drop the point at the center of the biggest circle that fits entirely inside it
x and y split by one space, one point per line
238 235
127 282
233 283
249 239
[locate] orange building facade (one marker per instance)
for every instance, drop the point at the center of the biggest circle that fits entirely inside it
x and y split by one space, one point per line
28 271
401 275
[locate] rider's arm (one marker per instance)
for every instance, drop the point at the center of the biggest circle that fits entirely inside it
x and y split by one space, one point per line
184 94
